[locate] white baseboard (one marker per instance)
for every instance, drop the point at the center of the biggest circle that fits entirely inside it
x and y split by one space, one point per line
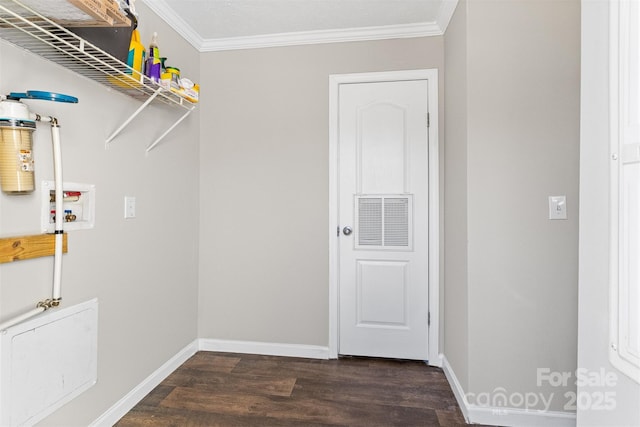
124 405
458 391
504 416
521 417
269 349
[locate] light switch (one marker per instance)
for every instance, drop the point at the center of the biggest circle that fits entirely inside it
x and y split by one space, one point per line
129 207
557 207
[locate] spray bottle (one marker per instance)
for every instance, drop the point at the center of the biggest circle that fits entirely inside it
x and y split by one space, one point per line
136 56
154 64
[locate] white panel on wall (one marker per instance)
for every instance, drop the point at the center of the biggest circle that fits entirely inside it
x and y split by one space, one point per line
624 347
46 362
629 292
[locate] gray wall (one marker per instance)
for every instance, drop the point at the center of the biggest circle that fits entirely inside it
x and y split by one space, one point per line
522 145
593 331
144 270
264 269
256 171
456 292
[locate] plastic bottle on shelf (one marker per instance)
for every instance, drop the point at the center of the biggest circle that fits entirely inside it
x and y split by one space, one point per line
175 78
136 56
154 64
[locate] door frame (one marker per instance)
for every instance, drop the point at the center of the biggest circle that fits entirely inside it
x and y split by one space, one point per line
335 80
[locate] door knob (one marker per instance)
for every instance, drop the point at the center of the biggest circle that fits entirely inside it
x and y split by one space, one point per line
347 231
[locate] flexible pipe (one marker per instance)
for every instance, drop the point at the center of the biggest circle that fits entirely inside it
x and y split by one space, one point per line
57 176
59 206
14 321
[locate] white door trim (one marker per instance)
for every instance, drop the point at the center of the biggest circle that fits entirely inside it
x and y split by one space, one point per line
431 75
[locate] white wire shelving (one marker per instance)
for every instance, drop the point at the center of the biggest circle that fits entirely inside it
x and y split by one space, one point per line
28 29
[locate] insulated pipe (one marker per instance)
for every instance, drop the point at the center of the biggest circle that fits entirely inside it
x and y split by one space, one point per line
57 176
59 206
20 318
56 294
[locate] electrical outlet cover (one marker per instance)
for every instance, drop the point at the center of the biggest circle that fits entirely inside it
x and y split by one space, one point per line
557 207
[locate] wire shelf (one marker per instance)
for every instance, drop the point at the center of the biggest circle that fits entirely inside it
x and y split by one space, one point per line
26 28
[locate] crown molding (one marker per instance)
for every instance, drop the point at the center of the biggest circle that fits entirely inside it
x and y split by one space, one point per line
447 8
426 29
168 15
322 36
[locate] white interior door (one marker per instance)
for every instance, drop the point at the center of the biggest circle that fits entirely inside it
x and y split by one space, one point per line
383 199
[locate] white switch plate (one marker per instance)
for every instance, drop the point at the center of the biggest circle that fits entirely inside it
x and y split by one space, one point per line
129 207
557 207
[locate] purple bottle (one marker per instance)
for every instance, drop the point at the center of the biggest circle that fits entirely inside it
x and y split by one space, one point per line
153 65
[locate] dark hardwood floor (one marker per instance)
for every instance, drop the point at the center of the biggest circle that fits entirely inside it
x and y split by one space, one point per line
224 389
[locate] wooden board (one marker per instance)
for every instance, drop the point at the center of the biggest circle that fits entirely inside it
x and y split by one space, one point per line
81 13
28 247
94 8
105 11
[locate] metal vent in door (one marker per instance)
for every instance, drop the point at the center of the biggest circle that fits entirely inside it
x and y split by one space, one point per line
383 222
370 221
396 222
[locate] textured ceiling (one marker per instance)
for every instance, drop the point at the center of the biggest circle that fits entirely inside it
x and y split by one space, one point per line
237 24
